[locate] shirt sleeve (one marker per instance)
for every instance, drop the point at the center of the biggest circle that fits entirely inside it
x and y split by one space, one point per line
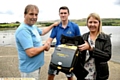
25 39
77 30
39 31
53 32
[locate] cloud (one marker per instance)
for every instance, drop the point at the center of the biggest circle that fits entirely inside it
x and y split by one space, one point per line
117 2
13 10
7 12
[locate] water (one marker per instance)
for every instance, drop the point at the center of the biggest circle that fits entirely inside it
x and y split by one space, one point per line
7 39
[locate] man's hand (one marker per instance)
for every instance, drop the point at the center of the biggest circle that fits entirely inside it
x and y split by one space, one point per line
47 46
56 24
47 29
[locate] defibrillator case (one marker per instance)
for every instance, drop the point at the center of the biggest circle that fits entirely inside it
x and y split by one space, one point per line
65 56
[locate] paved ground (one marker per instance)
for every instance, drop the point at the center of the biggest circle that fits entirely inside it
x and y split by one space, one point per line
9 65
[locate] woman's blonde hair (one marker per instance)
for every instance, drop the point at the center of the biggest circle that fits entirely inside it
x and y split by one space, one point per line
97 17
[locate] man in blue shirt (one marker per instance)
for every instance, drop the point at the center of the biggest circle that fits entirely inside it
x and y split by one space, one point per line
29 44
66 28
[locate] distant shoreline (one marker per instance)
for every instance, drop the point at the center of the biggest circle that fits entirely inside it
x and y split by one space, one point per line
80 22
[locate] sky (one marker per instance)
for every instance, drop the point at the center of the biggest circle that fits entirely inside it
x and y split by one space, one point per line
13 10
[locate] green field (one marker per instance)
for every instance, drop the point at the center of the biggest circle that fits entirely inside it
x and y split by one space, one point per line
80 22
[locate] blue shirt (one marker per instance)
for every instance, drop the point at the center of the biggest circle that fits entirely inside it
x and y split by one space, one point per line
27 37
71 30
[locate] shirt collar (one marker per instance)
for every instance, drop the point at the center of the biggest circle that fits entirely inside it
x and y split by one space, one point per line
68 25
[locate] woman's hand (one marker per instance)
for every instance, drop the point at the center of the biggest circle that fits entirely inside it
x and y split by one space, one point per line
84 46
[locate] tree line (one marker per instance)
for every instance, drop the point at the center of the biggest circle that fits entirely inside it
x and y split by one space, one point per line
80 22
